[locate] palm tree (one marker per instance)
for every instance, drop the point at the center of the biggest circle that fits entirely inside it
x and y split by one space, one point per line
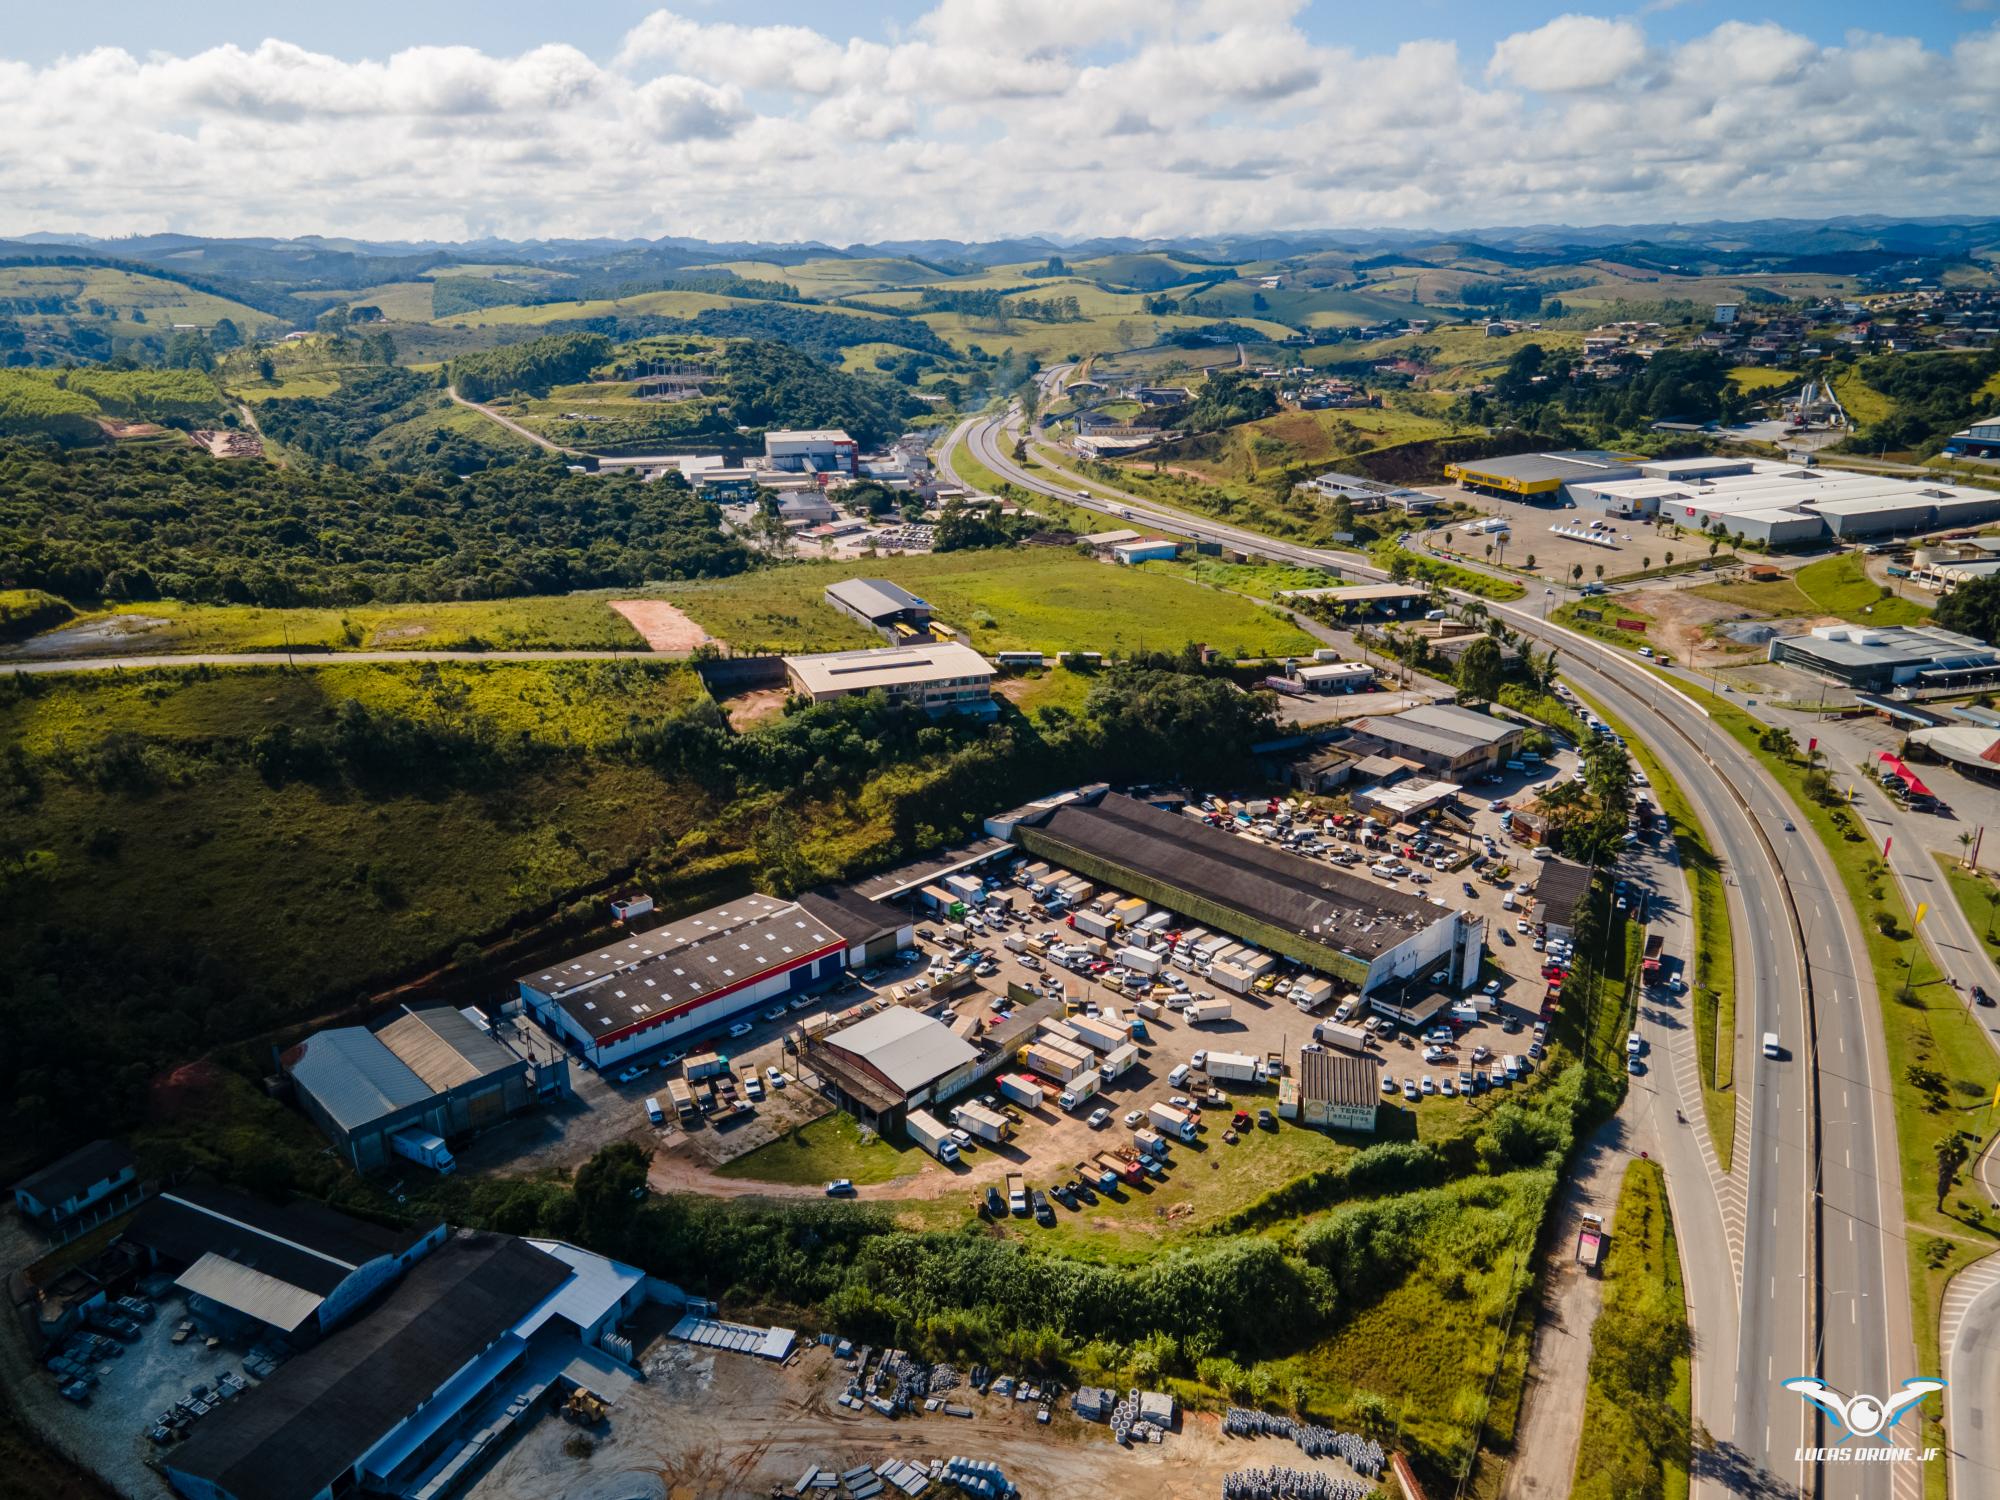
1600 570
1575 572
1670 558
1646 563
1965 845
1531 562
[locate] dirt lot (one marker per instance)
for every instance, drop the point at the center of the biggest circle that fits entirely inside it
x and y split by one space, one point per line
711 1424
664 627
1685 619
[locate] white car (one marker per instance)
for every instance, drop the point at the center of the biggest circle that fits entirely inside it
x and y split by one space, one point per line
740 1029
1199 1062
1099 1118
1522 924
1480 1054
777 1078
1429 1084
775 1013
1634 1044
1134 1118
1447 1087
1410 1089
1388 1084
1492 986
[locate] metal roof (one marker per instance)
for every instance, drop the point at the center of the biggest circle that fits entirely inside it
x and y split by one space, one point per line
1561 889
319 1416
305 1245
1533 468
73 1175
1326 905
597 1284
254 1293
905 1046
888 666
877 598
852 915
1338 1078
444 1049
353 1077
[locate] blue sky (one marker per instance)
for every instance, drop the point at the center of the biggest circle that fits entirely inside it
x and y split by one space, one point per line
967 119
38 33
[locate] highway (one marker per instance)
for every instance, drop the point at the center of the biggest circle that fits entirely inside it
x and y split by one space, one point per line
1820 1261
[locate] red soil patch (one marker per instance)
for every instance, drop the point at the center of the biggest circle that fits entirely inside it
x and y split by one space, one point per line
664 627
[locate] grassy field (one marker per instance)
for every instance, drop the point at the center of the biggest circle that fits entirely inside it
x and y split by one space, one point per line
1446 575
643 304
1259 580
552 622
1865 405
1978 895
106 298
1632 1402
1841 586
1003 600
1754 378
1712 984
1453 357
1253 448
1606 628
830 1147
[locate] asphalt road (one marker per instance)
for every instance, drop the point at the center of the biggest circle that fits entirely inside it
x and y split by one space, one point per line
1823 1283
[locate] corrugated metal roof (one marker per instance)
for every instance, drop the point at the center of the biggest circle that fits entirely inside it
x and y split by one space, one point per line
906 1047
354 1077
597 1285
254 1293
877 598
443 1048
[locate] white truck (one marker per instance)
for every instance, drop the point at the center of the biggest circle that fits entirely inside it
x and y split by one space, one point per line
1023 1091
977 1119
1228 976
1015 942
1094 924
1100 1035
1238 1067
1204 1012
1116 1062
1143 960
1080 1089
1169 1120
427 1150
927 1132
1346 1038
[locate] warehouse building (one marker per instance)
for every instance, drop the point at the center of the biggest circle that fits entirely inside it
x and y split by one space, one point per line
828 450
1980 440
428 1072
872 930
412 1397
1540 475
895 1061
91 1180
1919 657
685 978
1561 891
941 677
881 605
1335 676
1458 742
1344 925
253 1269
1333 1090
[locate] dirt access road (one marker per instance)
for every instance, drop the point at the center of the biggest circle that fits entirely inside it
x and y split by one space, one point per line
720 1424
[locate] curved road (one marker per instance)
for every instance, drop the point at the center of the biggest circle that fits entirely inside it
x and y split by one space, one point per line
1822 1278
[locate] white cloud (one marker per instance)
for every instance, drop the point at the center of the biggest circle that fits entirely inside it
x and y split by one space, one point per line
990 117
1571 52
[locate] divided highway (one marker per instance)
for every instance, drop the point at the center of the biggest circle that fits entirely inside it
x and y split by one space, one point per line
1810 1228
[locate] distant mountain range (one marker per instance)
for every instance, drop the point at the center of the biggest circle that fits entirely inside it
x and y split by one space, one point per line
1933 237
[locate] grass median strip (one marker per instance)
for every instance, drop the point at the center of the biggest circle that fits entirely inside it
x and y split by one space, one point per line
1636 1413
1712 986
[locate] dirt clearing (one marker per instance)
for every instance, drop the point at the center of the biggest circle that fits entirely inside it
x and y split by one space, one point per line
664 627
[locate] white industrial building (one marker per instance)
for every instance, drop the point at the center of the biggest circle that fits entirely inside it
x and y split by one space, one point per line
822 451
1780 504
939 677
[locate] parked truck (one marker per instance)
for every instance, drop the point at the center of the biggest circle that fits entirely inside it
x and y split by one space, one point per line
1023 1091
932 1136
1346 1038
1172 1121
1080 1090
1100 1035
1126 1168
1142 960
1238 1067
1017 1195
1056 1062
1116 1062
977 1119
1205 1012
1097 1174
1590 1242
704 1065
1151 1142
1015 942
1093 924
1310 994
1655 942
683 1099
1228 976
426 1150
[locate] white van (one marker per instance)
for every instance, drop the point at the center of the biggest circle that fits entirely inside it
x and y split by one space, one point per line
1771 1048
1179 1076
654 1112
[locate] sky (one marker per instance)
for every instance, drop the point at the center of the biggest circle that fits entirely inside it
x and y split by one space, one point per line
974 119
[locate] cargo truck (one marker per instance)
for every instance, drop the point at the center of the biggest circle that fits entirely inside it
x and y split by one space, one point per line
1228 976
1049 1026
1017 1195
1157 922
428 1150
1655 942
1097 1174
1100 1035
1130 910
1171 1121
977 1119
1023 1091
1204 1012
1091 924
1116 1062
1141 960
1346 1038
933 1137
1057 1063
1149 1141
1126 1168
1080 1089
968 888
1238 1067
1015 942
683 1099
1590 1242
704 1065
1310 994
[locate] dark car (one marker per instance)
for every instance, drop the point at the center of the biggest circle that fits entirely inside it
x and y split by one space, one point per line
996 1204
1266 1120
1979 995
1044 1215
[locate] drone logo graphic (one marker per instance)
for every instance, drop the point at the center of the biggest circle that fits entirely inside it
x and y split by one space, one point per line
1863 1415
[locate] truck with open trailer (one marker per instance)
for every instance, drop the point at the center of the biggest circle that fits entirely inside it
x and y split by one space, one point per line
1017 1195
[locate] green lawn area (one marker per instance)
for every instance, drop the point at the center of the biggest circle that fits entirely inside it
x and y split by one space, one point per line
1446 575
1260 580
1776 596
1575 615
1865 405
1712 984
1753 378
1038 598
1639 1362
1978 895
832 1146
1840 586
544 622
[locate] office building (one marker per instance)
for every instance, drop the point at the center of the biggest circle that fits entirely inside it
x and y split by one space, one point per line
939 677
